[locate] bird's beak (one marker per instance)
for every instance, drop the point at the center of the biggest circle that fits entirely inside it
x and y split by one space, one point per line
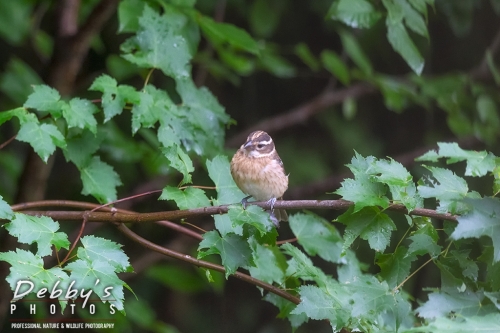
247 144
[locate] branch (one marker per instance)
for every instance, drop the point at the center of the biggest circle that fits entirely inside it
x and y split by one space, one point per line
302 112
205 264
120 217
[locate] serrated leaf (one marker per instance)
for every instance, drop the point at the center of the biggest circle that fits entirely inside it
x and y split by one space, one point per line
42 137
99 180
233 250
395 267
467 303
98 276
41 230
370 224
363 192
448 189
479 163
96 248
286 307
266 265
317 304
180 161
80 113
145 113
317 236
300 266
460 324
5 210
114 97
334 64
44 98
482 220
423 244
354 13
252 215
28 266
81 147
21 113
187 198
159 44
127 15
391 172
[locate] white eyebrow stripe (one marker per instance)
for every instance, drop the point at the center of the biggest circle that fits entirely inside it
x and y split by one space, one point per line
266 142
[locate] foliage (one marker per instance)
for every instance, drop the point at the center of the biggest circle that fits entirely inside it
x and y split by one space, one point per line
177 129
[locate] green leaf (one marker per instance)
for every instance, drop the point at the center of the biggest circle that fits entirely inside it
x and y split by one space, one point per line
482 220
220 33
334 64
395 267
460 324
81 147
27 266
180 161
41 230
45 98
5 210
276 64
423 244
183 279
98 275
42 137
252 215
370 224
449 188
391 172
145 113
17 80
233 250
303 51
268 263
265 16
159 43
20 113
227 190
99 180
363 192
114 97
317 304
401 42
355 52
479 163
301 266
354 13
127 15
15 23
187 198
80 113
317 236
463 304
96 248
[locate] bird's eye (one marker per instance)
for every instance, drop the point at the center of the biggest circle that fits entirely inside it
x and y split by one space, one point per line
260 146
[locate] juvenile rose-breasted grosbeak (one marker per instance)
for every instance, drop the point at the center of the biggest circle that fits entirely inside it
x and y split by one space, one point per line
258 171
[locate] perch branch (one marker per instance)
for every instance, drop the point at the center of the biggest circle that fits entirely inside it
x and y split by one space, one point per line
121 217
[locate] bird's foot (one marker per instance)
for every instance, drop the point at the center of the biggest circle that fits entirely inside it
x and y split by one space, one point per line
272 201
244 201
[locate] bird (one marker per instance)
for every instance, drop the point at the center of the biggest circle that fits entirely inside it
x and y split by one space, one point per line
258 172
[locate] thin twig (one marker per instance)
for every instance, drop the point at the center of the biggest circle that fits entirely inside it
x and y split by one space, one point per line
302 112
7 142
205 264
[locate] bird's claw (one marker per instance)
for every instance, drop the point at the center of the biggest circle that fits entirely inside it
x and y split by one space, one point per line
244 201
